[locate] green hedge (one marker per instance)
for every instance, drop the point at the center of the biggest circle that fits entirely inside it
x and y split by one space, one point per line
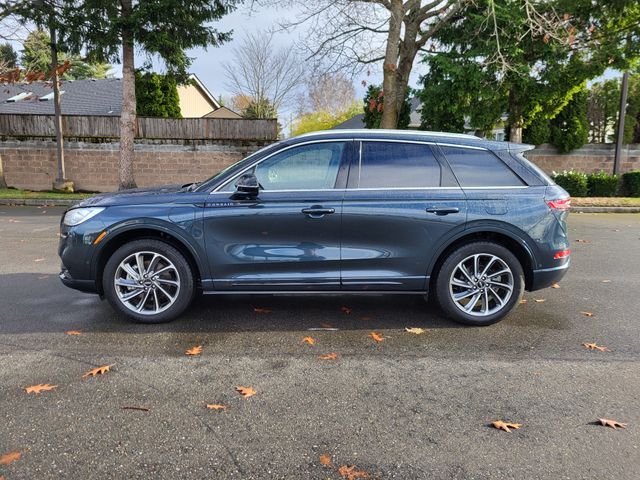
631 183
573 182
602 184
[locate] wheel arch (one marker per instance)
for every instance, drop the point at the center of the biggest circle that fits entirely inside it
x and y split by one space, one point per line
508 239
140 233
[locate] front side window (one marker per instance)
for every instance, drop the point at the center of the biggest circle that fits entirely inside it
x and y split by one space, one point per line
398 165
480 168
306 167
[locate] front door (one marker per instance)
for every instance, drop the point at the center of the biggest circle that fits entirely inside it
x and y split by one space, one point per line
288 237
401 203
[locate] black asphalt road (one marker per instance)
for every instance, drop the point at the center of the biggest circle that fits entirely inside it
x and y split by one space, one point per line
411 407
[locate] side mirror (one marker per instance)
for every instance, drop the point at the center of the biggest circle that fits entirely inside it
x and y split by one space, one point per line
247 186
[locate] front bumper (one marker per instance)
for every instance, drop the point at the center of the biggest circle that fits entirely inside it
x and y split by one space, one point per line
87 286
545 277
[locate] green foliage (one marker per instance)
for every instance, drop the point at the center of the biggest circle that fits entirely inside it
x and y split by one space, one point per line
632 117
162 28
8 57
538 131
570 128
36 57
374 106
602 110
322 120
631 183
157 96
260 109
573 182
602 184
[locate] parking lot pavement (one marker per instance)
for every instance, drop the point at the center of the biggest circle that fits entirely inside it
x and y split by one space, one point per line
410 407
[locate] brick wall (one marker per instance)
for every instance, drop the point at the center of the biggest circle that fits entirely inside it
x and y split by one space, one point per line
31 164
589 158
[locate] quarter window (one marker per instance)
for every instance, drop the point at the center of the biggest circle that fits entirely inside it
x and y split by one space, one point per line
398 165
480 168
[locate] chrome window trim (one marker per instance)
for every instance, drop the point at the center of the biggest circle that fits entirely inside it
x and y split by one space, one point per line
312 142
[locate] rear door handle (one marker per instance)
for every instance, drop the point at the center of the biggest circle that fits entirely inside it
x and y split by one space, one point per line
317 211
443 211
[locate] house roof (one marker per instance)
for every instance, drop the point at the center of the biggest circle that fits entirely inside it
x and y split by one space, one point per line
80 97
223 112
205 91
353 122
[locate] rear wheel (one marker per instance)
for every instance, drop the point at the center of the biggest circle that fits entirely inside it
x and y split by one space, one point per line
479 283
149 281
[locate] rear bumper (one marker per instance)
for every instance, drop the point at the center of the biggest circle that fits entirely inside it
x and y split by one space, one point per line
87 286
545 277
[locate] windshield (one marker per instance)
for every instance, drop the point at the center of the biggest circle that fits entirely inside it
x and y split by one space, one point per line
214 179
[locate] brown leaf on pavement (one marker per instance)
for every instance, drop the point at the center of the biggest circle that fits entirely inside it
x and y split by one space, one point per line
587 314
325 459
43 387
415 330
377 336
246 392
555 285
329 356
97 371
346 310
594 346
39 260
606 281
366 318
540 300
350 472
611 423
261 310
216 406
197 350
523 301
10 457
580 240
73 332
506 426
326 325
309 340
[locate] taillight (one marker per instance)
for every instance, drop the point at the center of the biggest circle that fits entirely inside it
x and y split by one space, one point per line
560 205
562 254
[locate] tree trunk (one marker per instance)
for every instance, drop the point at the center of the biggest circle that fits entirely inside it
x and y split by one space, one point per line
515 133
59 183
390 67
128 115
515 119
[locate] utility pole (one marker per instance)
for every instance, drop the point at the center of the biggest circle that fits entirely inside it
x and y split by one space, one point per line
617 160
60 183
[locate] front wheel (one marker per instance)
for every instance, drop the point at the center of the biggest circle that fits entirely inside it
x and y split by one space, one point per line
479 283
149 281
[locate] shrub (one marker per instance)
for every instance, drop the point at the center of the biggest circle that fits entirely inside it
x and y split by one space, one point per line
602 184
570 129
631 183
573 182
538 132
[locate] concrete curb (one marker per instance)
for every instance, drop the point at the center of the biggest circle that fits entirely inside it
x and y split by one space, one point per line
50 202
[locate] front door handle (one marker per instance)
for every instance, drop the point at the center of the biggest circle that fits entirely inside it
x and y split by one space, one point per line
317 211
443 211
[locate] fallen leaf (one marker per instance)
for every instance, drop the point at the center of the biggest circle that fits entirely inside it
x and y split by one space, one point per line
12 220
97 371
555 285
587 314
606 281
415 330
326 325
579 240
10 457
216 406
197 350
325 459
39 260
366 318
611 423
261 310
131 407
506 426
523 301
346 310
593 346
246 392
350 472
73 332
43 387
309 340
540 300
329 356
376 336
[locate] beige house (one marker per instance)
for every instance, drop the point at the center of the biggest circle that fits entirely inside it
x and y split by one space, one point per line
196 101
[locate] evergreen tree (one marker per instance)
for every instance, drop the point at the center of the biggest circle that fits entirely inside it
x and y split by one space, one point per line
570 128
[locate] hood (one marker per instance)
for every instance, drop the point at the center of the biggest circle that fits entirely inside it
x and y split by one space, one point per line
136 196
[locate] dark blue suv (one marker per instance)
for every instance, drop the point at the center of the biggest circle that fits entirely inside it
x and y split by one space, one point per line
469 221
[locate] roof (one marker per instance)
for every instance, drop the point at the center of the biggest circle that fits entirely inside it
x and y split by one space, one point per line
223 112
415 135
205 91
353 122
80 97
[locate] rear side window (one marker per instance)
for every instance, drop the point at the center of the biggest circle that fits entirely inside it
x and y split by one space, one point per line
398 165
480 168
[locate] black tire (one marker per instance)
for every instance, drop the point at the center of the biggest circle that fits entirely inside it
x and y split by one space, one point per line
184 294
443 291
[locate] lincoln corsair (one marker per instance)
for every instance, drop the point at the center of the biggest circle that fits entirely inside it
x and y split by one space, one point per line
469 222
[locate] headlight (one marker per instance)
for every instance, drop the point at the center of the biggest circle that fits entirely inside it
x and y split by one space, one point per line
78 215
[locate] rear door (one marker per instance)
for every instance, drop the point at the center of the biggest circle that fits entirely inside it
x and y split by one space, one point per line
400 203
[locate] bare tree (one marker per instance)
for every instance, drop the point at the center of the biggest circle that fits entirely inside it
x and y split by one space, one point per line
327 92
262 72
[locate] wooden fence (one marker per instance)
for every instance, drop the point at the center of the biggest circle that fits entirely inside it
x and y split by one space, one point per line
76 126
